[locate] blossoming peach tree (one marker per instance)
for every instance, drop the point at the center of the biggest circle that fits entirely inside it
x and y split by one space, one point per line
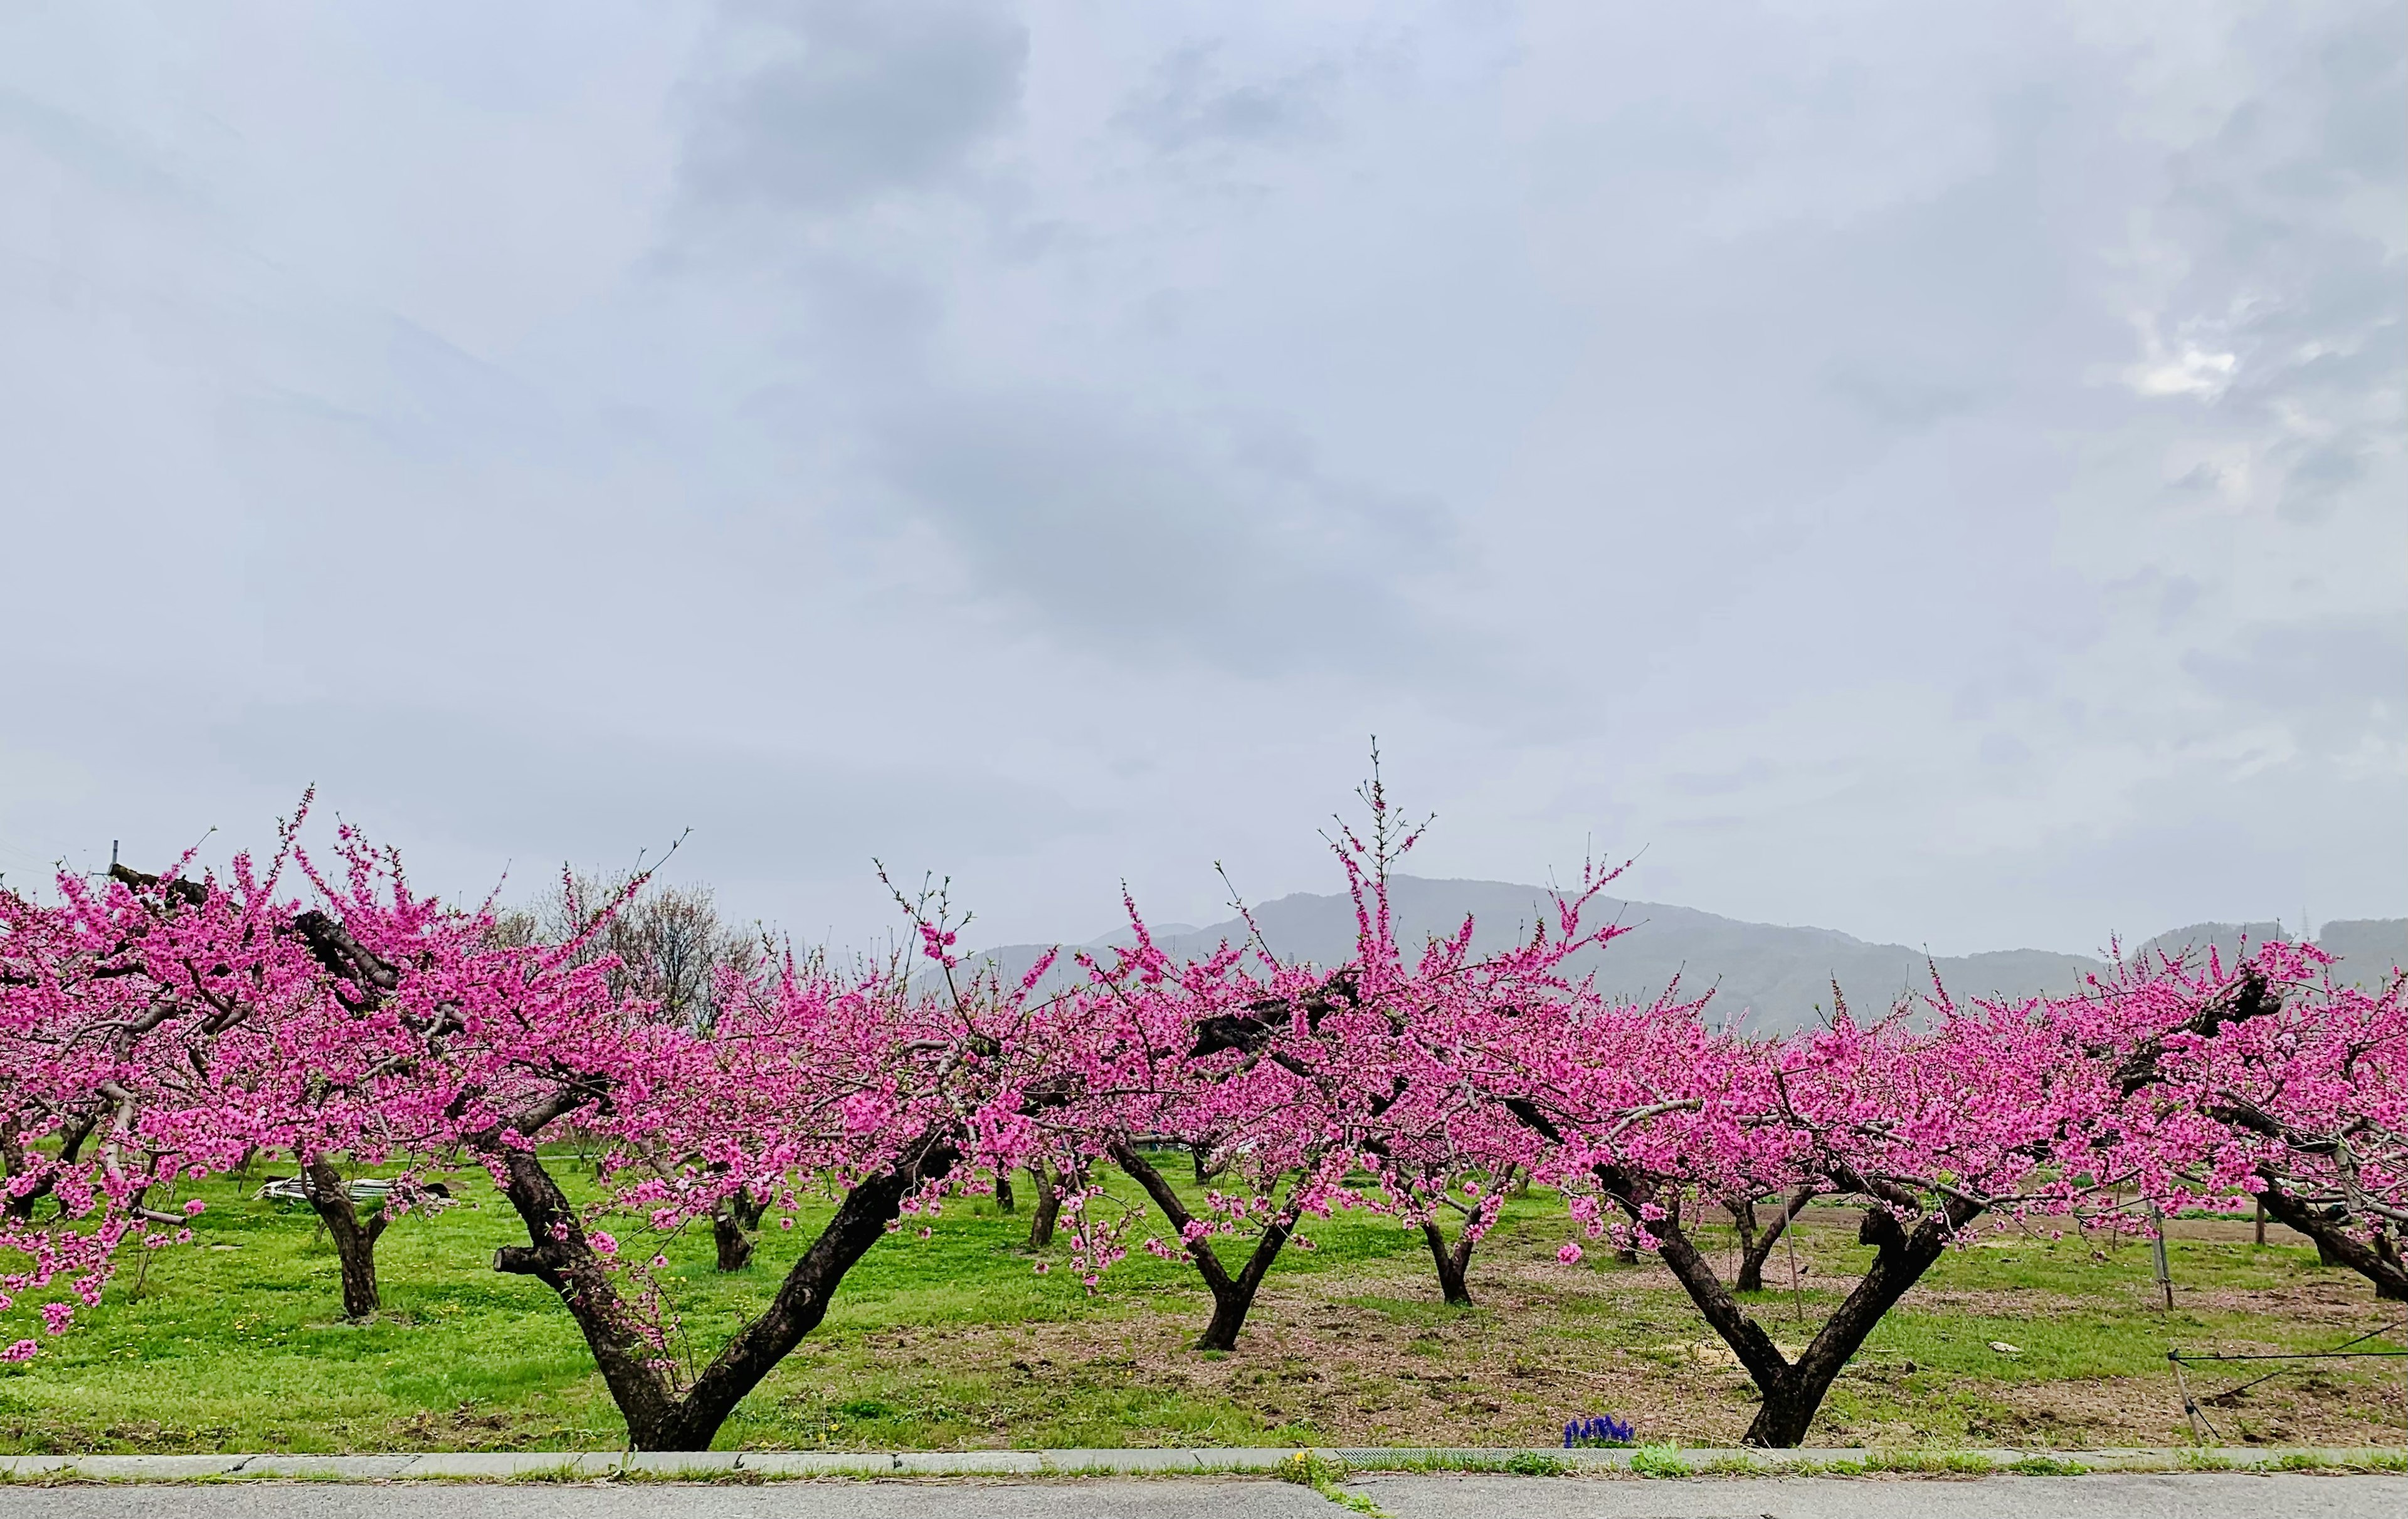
2151 1094
2282 1082
205 1021
882 1088
112 1001
1356 1086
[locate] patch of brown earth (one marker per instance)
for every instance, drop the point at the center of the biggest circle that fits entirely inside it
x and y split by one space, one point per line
1369 1356
2292 1409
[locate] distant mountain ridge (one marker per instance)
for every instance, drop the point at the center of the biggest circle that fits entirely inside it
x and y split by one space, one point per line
1765 977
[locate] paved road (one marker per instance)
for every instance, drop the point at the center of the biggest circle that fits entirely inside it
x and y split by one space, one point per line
2189 1496
2186 1496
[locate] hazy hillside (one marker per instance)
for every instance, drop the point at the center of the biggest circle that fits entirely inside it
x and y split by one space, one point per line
2369 948
1770 975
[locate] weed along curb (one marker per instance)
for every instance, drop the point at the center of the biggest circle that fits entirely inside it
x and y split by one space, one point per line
1314 1467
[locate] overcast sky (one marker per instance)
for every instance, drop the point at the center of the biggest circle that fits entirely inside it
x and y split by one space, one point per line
1932 471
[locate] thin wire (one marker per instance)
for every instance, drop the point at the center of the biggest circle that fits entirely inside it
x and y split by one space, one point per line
2339 1353
2304 1355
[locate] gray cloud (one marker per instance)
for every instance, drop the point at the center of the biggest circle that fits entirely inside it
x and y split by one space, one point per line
1185 105
1235 549
75 141
551 792
1903 402
2320 473
821 105
2287 264
2331 669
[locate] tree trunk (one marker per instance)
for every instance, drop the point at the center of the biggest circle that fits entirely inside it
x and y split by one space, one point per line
1900 1260
1003 1199
732 1227
354 1241
12 1165
1232 1297
1794 1391
1754 1249
1453 1264
734 1245
1048 1207
2379 1262
626 1351
71 1138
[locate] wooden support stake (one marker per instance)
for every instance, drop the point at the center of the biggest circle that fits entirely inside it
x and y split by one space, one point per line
2158 1246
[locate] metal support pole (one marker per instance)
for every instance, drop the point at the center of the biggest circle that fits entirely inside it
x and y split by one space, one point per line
2191 1411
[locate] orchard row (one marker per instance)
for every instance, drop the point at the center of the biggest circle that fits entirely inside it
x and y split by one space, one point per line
155 1030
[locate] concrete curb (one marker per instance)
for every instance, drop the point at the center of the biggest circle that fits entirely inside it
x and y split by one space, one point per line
708 1466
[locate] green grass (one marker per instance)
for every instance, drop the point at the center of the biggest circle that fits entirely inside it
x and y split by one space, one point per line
1310 1469
1931 1463
2044 1466
237 1342
954 1341
1660 1461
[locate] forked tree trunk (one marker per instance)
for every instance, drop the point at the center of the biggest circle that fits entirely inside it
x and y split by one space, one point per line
354 1241
1233 1297
1454 1262
1794 1391
2379 1262
659 1419
1755 1248
733 1224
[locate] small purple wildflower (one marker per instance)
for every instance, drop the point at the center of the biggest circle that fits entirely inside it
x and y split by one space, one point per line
1603 1429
